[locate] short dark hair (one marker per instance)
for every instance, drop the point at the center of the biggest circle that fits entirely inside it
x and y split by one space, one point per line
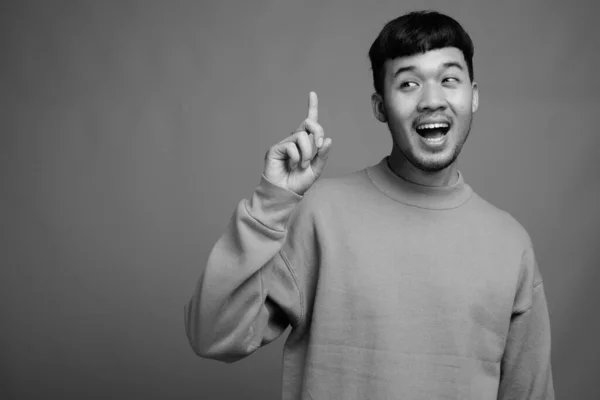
414 33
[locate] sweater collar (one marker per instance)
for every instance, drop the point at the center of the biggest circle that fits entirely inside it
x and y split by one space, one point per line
414 194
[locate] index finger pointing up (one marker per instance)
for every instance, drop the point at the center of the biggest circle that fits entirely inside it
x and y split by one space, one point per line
313 106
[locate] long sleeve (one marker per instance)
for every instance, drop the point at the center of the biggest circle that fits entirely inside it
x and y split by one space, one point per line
526 367
247 295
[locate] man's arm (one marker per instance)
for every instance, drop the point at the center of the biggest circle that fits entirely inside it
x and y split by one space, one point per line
248 294
526 371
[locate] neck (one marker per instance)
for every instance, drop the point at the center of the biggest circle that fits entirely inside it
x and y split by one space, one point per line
406 170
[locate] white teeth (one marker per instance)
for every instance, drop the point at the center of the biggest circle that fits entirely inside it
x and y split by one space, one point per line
433 126
437 139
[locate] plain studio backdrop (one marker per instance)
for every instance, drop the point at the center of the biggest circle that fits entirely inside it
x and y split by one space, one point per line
130 130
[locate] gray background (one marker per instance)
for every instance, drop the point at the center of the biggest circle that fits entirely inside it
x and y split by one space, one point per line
130 130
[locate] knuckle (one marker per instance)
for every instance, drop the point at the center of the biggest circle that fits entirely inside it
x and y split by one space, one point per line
270 153
294 135
302 138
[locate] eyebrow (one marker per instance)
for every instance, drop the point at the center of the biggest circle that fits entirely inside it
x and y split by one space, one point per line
404 69
446 65
451 64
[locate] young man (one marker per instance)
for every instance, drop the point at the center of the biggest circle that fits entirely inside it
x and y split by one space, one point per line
399 282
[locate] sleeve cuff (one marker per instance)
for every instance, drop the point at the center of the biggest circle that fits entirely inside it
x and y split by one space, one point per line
272 205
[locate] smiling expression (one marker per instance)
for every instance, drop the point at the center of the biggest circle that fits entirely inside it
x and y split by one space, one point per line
428 103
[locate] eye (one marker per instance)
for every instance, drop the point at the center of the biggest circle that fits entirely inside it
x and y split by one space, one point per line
451 79
408 84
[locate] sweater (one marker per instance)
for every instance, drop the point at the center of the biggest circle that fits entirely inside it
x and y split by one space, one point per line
393 290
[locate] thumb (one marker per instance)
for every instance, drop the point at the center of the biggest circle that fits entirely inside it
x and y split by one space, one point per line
318 163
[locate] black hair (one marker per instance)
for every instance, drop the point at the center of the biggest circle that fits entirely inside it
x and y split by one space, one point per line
414 33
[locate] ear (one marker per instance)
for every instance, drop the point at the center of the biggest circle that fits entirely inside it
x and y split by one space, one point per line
475 101
378 107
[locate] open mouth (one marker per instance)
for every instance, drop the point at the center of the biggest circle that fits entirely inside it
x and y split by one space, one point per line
433 132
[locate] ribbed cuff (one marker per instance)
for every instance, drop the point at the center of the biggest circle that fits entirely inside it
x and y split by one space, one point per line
272 205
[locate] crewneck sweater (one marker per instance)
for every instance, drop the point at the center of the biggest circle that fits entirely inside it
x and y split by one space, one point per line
393 290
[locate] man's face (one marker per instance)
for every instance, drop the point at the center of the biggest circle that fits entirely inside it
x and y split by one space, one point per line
428 104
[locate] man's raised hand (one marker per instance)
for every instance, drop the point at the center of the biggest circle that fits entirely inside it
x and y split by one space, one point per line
296 162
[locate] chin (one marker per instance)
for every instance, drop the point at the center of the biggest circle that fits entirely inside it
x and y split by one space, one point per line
432 165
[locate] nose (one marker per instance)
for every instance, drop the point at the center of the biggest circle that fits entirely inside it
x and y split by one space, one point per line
432 98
